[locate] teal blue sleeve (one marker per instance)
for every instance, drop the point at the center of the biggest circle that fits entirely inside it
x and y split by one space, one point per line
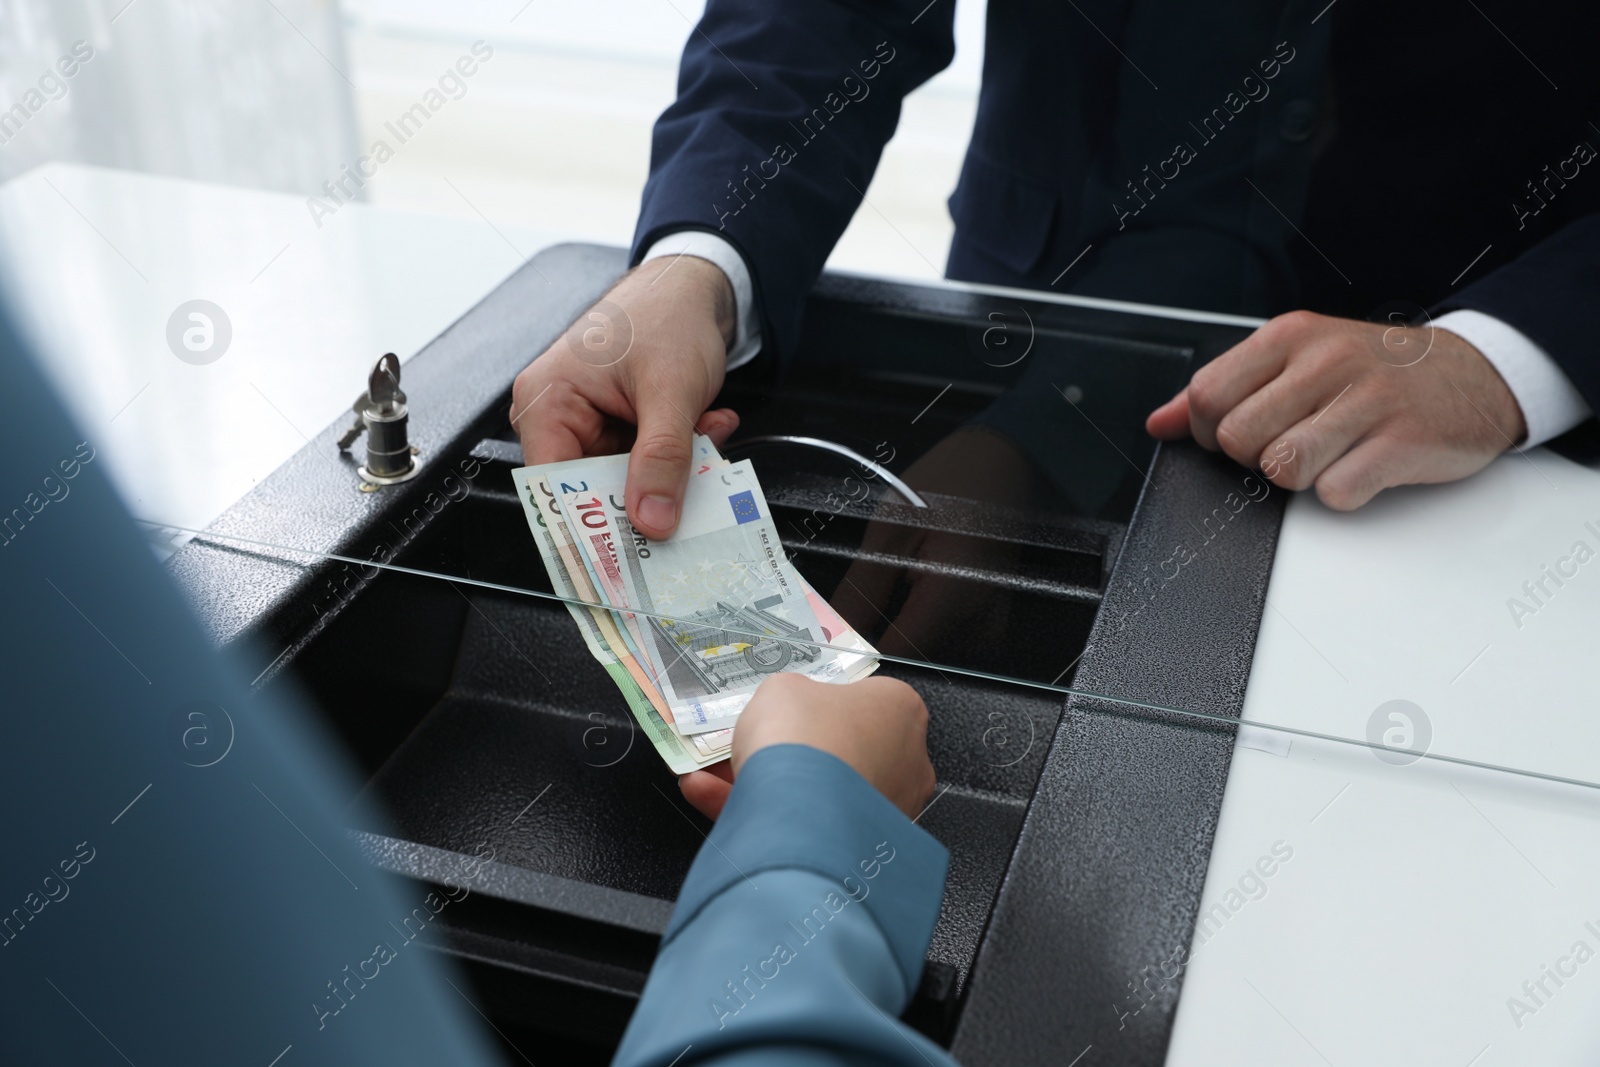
801 929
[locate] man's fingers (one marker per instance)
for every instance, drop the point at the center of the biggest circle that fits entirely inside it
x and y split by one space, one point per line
1297 457
658 466
1170 421
549 435
707 791
613 439
1362 473
718 425
552 444
1267 414
1219 386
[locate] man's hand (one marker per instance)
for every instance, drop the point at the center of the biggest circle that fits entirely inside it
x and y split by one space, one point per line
651 355
879 726
1350 407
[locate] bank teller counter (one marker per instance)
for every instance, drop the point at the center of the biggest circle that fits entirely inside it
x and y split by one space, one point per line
963 473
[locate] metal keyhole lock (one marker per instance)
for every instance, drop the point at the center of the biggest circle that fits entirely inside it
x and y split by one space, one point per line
382 415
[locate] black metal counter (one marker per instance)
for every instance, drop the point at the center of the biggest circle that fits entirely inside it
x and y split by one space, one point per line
1079 828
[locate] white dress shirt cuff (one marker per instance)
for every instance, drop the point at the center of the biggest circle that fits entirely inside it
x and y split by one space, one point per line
713 249
1550 404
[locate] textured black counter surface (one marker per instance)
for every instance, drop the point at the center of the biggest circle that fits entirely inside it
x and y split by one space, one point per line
1106 880
1079 838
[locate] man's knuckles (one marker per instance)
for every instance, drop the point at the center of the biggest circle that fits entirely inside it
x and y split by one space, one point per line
1291 327
1241 442
1210 399
1289 467
666 446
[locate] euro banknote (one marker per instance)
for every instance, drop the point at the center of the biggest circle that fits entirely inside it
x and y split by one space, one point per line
689 626
716 608
598 630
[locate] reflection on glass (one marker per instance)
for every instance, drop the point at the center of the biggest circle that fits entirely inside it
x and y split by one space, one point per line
1398 734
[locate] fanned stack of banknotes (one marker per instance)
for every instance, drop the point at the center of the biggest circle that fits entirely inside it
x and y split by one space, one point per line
690 626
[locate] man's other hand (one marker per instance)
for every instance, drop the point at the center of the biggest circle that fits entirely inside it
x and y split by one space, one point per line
1350 407
636 373
879 726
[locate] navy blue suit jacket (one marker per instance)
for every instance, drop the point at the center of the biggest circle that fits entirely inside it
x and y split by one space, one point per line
1250 157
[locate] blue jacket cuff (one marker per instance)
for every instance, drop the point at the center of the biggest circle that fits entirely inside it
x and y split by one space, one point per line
797 807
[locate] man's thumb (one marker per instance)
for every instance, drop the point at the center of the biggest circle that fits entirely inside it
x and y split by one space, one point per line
658 467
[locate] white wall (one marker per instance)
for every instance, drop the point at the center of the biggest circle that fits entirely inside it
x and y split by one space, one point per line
551 137
553 133
237 93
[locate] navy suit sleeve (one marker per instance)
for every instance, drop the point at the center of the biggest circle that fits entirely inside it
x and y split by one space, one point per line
1551 293
783 110
801 930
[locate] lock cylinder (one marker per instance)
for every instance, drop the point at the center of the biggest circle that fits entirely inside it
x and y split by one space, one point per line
388 450
382 414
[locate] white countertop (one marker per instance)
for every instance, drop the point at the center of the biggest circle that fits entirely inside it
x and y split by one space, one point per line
96 262
1418 899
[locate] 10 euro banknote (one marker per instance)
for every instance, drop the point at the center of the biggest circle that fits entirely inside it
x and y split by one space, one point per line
688 626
